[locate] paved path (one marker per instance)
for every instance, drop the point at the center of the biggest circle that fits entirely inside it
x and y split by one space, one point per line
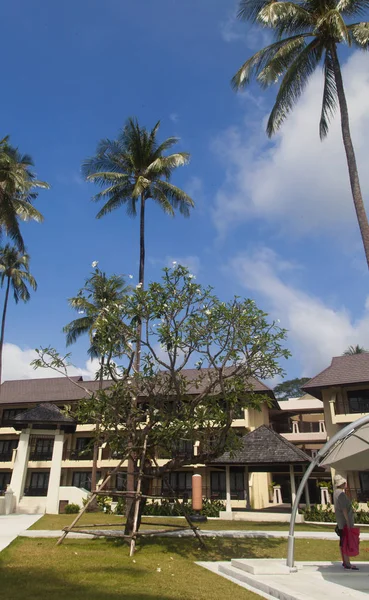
12 525
313 581
304 535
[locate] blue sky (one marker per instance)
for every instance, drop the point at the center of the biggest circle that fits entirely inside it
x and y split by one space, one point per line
273 220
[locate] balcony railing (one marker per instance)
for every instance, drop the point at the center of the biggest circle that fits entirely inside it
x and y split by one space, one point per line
78 454
35 491
41 456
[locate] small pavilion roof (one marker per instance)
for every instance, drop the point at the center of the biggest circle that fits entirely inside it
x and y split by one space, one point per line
44 414
263 446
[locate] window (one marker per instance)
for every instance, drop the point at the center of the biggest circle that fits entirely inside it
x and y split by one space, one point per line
183 448
10 413
82 479
41 448
358 401
218 484
4 481
121 482
6 449
180 482
39 484
83 450
363 493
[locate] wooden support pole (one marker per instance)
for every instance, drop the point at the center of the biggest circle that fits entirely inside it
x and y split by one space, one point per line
104 483
138 497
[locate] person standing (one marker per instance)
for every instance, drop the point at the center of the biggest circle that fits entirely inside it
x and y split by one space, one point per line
344 516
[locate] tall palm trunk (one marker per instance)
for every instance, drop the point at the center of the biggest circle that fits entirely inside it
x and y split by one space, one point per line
141 277
131 465
350 155
3 327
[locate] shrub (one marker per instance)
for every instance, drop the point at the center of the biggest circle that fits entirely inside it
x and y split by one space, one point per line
165 508
120 508
327 515
320 513
72 509
325 484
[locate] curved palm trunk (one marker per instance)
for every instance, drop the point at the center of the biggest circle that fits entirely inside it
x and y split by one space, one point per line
3 327
350 156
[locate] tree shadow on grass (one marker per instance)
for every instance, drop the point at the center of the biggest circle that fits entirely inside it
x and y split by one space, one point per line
215 548
19 583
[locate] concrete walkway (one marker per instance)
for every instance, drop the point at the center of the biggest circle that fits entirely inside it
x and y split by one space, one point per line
12 525
302 535
313 580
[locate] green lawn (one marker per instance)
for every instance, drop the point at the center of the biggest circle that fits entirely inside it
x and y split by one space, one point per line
60 521
102 570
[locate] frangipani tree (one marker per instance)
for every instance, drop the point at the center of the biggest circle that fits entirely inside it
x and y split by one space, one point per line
184 324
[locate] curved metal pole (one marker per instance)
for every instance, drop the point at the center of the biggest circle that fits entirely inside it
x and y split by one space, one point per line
340 435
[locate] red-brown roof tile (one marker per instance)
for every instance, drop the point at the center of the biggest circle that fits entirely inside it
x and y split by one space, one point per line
344 370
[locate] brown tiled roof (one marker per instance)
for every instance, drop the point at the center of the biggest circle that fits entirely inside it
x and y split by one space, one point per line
344 370
53 389
263 446
60 389
194 374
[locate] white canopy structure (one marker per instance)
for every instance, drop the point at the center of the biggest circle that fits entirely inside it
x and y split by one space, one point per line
347 450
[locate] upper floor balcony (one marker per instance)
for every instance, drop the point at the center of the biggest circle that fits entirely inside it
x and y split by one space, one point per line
346 406
299 432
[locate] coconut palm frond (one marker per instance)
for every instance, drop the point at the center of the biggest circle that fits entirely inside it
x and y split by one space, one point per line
293 84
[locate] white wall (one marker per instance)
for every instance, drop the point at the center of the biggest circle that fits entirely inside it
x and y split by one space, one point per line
73 494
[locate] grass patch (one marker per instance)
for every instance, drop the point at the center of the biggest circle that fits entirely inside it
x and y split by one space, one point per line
102 569
60 521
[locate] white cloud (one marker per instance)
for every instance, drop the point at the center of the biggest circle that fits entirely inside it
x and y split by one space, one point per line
296 179
191 262
234 30
317 331
16 365
229 29
174 117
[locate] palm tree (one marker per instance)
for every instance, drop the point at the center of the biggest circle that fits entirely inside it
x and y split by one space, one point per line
98 292
306 34
133 169
18 185
14 271
354 350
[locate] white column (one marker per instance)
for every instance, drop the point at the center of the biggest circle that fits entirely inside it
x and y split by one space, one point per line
293 484
19 473
52 500
228 489
247 488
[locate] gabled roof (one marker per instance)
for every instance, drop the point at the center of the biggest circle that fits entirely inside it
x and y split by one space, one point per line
344 370
51 389
61 389
263 446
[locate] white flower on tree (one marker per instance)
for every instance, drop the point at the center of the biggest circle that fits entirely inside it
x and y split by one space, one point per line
94 264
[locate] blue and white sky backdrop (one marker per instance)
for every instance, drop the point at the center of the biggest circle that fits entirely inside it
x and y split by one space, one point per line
274 220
